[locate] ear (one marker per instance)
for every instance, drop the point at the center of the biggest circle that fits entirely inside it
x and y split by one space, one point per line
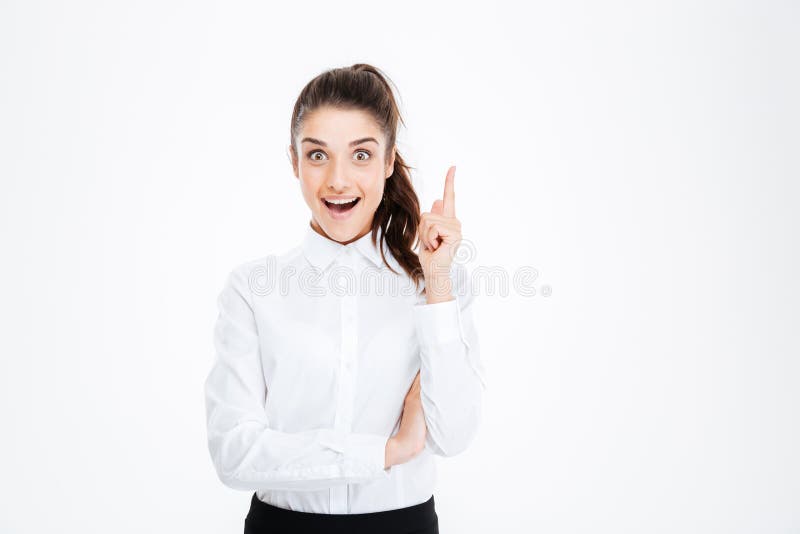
390 162
290 153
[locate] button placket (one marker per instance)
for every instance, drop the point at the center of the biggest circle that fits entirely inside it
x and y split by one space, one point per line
348 351
347 369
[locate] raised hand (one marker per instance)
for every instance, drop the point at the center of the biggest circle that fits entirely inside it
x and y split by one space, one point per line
440 233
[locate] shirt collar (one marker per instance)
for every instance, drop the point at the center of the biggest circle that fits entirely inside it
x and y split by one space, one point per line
321 251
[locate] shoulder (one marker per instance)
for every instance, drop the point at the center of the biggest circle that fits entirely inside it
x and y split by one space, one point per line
246 276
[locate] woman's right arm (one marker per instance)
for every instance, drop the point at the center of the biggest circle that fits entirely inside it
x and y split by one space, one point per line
247 454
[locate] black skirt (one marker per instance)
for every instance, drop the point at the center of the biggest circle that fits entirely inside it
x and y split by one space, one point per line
264 518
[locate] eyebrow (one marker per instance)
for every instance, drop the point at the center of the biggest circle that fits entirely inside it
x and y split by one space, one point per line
352 143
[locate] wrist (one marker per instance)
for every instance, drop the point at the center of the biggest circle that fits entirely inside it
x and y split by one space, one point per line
438 288
389 459
397 452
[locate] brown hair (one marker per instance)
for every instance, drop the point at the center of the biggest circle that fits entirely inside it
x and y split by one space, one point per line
364 87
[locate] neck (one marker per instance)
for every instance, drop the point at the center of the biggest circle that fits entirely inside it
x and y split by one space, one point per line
317 228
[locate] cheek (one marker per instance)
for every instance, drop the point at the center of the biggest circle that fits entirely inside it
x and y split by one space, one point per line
311 180
310 195
374 191
373 181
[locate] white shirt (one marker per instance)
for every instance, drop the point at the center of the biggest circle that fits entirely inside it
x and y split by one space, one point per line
316 349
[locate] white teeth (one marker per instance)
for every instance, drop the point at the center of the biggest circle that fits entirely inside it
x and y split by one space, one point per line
341 201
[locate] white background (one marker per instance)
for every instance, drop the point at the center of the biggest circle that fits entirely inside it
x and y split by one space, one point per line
642 156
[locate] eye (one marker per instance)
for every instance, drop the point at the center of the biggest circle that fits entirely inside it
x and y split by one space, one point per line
311 155
365 152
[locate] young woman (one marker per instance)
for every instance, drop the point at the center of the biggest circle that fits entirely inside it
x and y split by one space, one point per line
346 364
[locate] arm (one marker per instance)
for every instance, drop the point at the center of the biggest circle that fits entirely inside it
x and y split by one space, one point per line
246 453
452 374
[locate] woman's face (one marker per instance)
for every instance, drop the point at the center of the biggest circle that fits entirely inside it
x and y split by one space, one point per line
340 156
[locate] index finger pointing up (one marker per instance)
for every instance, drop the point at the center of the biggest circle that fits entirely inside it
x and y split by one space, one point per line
449 199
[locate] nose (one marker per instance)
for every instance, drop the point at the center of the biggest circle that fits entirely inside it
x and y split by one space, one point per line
337 181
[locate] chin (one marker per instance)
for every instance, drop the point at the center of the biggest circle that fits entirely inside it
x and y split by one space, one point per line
342 231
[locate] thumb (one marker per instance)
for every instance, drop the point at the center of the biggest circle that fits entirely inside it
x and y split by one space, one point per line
438 207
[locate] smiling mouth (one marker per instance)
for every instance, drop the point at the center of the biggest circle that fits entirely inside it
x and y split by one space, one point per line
341 207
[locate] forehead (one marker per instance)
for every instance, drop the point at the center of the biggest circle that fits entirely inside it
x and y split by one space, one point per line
338 127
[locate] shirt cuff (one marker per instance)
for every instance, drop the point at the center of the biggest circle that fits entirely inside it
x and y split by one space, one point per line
438 323
365 449
369 449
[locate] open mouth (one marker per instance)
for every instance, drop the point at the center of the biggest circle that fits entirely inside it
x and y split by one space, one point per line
341 207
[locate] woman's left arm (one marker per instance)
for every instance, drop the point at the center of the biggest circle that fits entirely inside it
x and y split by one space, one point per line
452 377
